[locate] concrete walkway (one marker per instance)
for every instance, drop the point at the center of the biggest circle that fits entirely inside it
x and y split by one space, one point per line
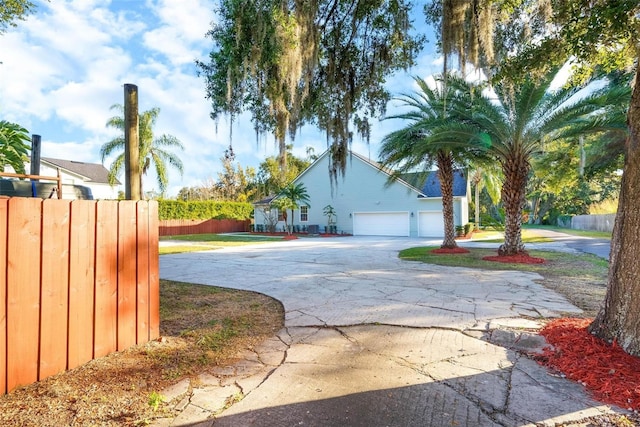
370 340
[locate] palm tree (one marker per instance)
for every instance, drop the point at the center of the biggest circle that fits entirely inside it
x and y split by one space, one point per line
291 197
484 175
409 148
512 126
14 146
152 150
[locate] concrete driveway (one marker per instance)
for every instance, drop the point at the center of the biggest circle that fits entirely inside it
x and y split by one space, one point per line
372 340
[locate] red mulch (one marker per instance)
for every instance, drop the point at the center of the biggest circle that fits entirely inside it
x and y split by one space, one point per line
610 374
521 258
291 237
450 251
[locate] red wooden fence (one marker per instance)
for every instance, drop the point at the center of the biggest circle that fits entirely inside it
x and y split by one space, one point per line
175 227
80 281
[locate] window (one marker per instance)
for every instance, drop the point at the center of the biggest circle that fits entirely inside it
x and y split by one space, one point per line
304 213
280 215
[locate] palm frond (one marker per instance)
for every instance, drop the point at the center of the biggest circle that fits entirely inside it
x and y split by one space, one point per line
115 169
109 147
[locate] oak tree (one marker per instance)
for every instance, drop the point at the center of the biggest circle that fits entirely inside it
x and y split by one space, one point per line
321 62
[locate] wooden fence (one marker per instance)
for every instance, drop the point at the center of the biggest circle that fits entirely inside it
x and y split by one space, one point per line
80 281
175 227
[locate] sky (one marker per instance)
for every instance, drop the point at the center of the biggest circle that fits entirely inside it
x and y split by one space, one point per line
64 67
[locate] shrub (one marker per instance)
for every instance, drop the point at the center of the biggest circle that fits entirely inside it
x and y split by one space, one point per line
178 209
467 228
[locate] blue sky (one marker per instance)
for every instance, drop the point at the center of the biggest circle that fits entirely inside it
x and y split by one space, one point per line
65 66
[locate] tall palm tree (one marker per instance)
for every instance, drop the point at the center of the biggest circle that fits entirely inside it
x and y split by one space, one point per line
291 197
152 150
512 125
409 148
14 146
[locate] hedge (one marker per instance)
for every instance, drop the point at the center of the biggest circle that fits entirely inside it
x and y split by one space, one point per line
178 209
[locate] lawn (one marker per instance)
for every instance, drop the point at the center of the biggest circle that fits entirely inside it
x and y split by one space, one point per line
207 242
583 233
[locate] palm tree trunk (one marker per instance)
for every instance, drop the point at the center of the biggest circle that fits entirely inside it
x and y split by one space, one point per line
619 318
291 226
516 170
476 183
445 173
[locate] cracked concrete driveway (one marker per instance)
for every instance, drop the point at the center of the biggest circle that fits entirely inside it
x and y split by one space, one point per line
371 340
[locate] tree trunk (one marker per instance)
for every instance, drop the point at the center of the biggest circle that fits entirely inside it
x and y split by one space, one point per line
290 231
516 170
619 318
477 203
445 173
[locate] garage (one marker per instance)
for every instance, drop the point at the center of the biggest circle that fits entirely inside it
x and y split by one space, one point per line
381 224
430 224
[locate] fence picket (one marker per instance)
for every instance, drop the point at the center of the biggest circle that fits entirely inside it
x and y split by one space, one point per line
126 274
154 278
106 309
54 292
81 282
4 212
142 269
23 291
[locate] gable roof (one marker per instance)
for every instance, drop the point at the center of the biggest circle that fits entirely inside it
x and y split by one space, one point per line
352 154
93 172
430 184
424 184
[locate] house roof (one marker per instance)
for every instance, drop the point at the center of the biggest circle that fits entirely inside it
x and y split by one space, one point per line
425 184
430 183
93 172
266 201
371 163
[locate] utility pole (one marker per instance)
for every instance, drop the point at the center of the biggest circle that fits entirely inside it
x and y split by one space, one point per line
132 177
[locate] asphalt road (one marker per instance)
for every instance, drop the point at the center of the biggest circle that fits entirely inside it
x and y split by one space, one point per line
599 247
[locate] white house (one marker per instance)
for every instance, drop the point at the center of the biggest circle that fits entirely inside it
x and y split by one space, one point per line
367 203
93 176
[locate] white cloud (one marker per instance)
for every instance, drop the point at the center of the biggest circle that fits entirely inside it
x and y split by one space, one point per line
181 35
66 65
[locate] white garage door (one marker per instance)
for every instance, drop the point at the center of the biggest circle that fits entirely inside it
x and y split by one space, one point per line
381 224
430 224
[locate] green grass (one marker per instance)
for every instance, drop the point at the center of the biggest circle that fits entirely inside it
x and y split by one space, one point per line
571 265
206 242
528 236
219 239
583 233
178 249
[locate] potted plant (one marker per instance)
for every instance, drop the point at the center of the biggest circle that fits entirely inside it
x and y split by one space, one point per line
330 213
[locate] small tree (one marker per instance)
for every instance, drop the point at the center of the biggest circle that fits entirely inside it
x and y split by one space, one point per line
290 198
283 204
270 219
330 213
